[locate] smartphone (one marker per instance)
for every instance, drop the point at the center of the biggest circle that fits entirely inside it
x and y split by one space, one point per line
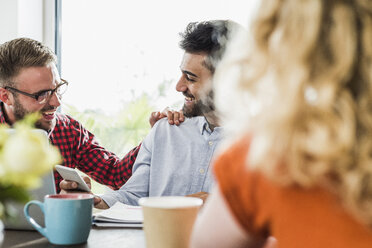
72 175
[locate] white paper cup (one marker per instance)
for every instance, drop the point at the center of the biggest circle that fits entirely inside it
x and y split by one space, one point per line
168 220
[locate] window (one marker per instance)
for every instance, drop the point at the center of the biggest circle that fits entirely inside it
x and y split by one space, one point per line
122 60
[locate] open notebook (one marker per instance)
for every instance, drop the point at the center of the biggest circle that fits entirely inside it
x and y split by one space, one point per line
119 215
19 222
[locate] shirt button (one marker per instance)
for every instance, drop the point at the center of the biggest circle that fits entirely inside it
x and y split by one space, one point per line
201 171
210 143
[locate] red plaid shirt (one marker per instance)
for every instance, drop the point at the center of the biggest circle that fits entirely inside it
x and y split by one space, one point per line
79 149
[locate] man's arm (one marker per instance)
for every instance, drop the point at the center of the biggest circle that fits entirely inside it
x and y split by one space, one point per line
138 185
80 150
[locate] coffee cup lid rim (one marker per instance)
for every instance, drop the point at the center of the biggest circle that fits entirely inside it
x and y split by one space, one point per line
71 196
177 202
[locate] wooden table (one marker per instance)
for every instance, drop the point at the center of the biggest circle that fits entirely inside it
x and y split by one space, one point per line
98 237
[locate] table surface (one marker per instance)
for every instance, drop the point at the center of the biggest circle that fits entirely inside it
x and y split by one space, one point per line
98 237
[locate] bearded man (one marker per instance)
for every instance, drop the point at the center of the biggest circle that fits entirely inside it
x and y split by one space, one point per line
175 160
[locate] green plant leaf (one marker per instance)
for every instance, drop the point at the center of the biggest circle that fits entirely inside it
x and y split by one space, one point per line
13 193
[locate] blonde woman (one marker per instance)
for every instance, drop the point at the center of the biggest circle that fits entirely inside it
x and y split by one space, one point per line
300 168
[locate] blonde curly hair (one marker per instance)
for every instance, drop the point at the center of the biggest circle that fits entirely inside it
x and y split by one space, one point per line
301 85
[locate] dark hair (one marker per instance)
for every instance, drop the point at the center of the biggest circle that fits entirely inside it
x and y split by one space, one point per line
208 37
22 53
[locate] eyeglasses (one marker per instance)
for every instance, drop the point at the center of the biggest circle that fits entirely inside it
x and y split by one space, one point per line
43 96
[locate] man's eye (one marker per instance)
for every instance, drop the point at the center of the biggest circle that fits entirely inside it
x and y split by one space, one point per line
43 93
190 79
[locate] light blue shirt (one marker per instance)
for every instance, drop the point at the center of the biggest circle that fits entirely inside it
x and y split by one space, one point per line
173 160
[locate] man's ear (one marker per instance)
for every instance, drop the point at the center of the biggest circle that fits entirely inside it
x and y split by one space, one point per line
6 97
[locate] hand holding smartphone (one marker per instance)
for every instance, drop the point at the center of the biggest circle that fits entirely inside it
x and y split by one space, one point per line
72 175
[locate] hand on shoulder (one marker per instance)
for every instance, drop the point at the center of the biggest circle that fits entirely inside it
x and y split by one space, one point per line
173 116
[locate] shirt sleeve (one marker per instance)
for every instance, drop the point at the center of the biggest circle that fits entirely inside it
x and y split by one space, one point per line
240 187
101 165
138 185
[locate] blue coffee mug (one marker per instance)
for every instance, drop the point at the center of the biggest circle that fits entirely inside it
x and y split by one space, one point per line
68 218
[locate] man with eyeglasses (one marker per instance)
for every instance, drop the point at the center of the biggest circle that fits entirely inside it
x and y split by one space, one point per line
29 82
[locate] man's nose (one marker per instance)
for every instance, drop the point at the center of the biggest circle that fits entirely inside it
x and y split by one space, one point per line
181 86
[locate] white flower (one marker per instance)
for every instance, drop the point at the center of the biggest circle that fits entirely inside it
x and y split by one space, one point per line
25 156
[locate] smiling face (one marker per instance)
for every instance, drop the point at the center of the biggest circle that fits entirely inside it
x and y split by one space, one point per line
33 80
194 84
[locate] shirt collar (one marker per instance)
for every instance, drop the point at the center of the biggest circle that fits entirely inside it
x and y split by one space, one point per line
204 127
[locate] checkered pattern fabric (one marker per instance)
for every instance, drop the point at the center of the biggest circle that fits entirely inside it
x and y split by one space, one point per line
79 149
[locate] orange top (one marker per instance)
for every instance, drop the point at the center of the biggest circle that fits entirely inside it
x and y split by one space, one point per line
306 218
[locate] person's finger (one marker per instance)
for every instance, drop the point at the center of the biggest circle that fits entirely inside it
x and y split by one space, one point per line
154 117
100 203
68 185
87 181
170 115
176 116
162 115
63 192
182 117
97 200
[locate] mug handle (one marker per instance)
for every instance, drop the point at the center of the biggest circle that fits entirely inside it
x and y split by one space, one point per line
39 228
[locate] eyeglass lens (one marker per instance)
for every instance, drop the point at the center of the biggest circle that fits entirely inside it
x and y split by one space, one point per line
60 90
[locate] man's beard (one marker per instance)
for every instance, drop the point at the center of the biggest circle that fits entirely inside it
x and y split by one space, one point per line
20 112
201 107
